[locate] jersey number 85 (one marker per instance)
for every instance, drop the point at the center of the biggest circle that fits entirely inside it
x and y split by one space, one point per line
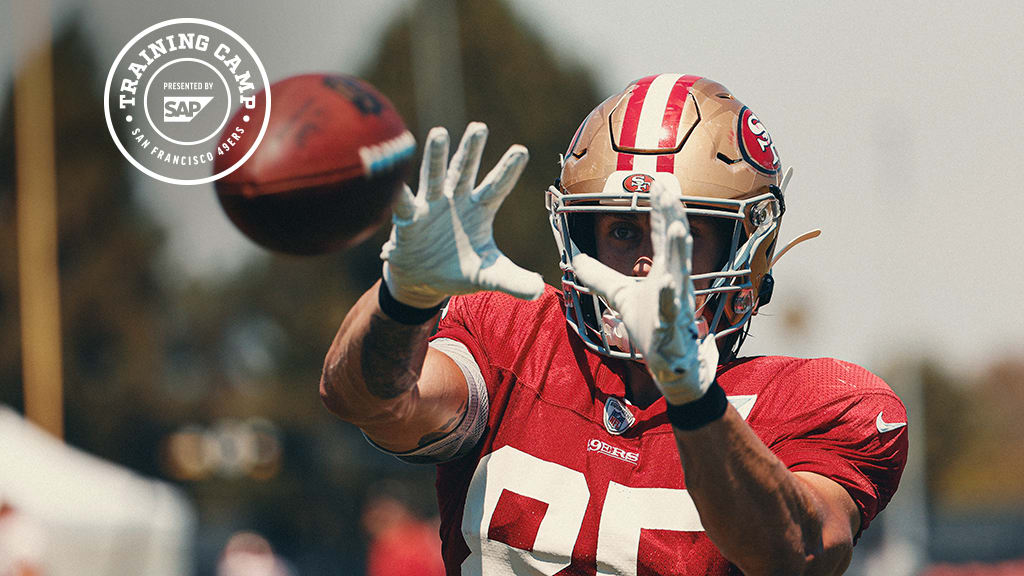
625 511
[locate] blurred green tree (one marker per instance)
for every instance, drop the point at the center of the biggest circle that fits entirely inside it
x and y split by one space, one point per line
976 439
111 301
946 425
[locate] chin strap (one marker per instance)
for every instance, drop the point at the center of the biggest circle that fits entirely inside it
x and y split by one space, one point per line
801 238
785 180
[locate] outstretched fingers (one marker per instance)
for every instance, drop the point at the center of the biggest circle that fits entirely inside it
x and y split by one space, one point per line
405 205
500 181
505 276
609 284
670 232
466 163
679 248
659 232
435 161
667 199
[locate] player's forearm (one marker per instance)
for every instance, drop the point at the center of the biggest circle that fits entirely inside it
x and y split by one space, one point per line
760 515
373 364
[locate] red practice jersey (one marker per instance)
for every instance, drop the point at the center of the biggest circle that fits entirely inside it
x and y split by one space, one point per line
569 478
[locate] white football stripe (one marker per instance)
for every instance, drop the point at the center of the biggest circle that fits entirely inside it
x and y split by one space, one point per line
647 163
648 131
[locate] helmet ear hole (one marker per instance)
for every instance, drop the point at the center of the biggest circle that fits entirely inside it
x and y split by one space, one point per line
590 316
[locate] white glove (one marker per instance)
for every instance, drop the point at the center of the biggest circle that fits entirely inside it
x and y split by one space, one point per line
442 241
658 310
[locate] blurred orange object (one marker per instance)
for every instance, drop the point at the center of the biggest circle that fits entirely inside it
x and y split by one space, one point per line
250 554
401 544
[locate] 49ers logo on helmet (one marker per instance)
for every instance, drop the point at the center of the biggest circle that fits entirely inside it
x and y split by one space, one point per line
756 143
638 183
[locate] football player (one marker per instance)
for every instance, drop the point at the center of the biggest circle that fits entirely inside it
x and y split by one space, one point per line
610 427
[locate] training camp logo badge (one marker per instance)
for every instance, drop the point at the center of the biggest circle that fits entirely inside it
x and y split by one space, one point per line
171 94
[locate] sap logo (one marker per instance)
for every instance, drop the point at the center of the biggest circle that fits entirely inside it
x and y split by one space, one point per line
184 108
607 449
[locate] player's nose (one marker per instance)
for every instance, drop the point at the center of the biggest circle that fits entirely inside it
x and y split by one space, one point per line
645 252
642 267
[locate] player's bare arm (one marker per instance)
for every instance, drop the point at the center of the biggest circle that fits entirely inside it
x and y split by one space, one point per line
763 517
380 374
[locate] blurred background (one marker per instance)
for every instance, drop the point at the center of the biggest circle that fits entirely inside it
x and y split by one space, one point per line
195 438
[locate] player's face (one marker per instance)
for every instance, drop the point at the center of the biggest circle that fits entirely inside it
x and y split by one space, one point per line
624 244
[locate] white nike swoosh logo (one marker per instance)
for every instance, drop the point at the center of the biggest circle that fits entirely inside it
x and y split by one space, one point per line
743 403
884 426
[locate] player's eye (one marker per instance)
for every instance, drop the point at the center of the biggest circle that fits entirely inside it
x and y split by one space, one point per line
699 227
624 232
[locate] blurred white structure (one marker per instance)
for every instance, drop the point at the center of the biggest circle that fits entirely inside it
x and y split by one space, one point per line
76 514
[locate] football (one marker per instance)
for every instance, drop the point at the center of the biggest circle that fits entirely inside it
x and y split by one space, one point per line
334 156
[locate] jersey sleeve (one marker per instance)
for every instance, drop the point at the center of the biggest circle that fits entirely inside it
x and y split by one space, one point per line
455 338
844 423
461 321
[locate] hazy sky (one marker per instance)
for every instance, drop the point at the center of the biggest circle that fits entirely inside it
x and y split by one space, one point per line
900 118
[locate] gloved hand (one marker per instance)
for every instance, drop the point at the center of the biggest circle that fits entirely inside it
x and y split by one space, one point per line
658 311
442 241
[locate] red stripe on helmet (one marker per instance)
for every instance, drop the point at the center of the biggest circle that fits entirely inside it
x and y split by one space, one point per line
670 122
631 121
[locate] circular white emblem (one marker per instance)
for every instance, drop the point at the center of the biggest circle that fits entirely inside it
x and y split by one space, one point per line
170 95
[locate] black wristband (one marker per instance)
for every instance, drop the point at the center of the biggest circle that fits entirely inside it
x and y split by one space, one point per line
696 414
403 313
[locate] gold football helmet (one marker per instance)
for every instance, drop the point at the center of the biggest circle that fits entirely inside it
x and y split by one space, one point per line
694 130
